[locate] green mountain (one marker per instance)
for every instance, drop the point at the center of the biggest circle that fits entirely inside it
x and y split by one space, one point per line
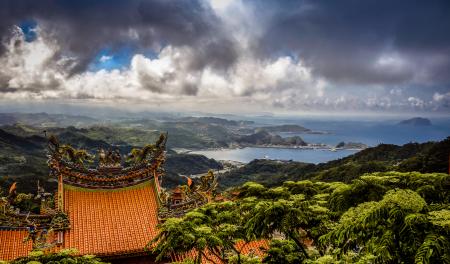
287 128
23 156
185 132
218 121
263 137
425 157
45 120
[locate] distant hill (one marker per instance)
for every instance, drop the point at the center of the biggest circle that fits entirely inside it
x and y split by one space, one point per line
23 159
45 120
81 141
424 157
267 172
30 143
23 156
185 132
416 121
286 128
216 120
187 164
263 137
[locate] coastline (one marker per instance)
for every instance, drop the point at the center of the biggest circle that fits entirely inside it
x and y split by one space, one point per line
307 147
246 155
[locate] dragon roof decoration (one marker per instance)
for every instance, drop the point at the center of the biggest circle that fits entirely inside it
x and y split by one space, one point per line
107 168
188 197
40 228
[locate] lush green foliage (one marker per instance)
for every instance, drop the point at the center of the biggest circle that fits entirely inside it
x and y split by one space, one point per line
388 217
214 228
64 256
425 157
23 157
283 251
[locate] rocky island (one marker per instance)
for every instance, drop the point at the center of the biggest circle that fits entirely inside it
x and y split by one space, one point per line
264 138
289 128
416 121
286 128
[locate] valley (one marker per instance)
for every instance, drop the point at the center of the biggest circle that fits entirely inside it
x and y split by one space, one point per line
195 145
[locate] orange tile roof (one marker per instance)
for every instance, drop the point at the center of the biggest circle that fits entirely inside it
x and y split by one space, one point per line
106 223
12 245
110 222
253 247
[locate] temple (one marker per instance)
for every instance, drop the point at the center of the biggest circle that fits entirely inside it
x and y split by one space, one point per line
110 208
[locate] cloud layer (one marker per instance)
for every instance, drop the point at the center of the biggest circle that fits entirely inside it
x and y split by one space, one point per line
271 55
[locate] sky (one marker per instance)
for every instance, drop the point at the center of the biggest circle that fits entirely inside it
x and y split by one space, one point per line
229 56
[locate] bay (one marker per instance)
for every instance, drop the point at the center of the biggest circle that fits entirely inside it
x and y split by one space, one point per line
248 154
369 132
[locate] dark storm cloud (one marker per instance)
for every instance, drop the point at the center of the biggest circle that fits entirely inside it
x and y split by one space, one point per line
309 54
344 40
8 90
82 28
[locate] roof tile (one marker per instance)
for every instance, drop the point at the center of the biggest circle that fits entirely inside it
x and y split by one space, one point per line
110 222
12 245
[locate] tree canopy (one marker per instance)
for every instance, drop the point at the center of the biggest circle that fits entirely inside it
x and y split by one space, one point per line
386 217
64 256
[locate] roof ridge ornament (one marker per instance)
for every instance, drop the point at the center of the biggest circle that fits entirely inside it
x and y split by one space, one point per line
109 171
150 151
109 159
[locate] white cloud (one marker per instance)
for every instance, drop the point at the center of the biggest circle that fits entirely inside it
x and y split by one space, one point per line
105 58
396 91
416 102
32 66
438 97
441 101
220 5
391 61
38 70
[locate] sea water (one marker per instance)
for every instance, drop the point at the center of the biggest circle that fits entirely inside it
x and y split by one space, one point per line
371 133
248 154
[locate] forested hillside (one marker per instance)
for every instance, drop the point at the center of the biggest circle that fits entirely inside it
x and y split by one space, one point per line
23 154
424 157
185 132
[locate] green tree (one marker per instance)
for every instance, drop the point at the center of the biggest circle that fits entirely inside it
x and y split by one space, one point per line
64 256
387 217
283 251
285 211
213 229
396 228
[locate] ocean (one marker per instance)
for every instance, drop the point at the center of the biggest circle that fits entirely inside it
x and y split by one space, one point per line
371 133
248 154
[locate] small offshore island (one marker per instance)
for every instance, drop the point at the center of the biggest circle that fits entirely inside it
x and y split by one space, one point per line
416 121
246 141
268 137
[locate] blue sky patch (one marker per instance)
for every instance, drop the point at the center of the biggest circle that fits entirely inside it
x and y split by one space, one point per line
28 28
110 59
